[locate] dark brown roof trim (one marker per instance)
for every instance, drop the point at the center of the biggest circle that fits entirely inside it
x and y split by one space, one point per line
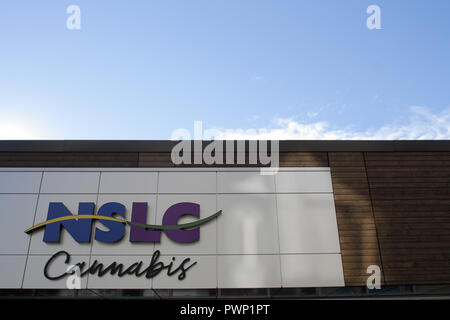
166 145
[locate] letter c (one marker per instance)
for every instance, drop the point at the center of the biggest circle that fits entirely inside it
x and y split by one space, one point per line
171 218
47 265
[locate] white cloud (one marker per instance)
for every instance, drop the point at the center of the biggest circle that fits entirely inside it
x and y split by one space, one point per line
421 125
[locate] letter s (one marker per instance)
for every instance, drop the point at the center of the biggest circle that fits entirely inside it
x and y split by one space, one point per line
116 229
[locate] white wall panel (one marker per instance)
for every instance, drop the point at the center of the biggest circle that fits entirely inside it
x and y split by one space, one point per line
303 182
12 268
20 182
307 223
248 224
312 270
70 182
187 182
16 215
128 182
245 182
249 271
201 276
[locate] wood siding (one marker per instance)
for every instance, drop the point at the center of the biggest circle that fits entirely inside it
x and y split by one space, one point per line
68 159
356 223
411 202
287 159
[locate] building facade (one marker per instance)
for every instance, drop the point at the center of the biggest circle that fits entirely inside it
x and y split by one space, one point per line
336 216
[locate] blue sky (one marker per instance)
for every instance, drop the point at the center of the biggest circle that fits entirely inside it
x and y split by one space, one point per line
297 69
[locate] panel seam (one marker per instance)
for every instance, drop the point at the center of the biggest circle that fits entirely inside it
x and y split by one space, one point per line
92 242
278 229
34 220
373 216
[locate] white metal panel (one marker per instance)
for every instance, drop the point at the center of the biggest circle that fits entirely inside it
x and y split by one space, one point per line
312 270
307 223
245 182
187 182
12 270
202 275
249 271
248 224
70 182
16 215
128 182
303 182
20 182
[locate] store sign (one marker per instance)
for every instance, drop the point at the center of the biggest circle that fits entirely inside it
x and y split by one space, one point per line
168 228
79 227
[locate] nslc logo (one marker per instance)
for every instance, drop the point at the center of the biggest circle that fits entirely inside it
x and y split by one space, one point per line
112 216
80 226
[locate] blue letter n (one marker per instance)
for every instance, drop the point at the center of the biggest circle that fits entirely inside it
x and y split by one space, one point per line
79 229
